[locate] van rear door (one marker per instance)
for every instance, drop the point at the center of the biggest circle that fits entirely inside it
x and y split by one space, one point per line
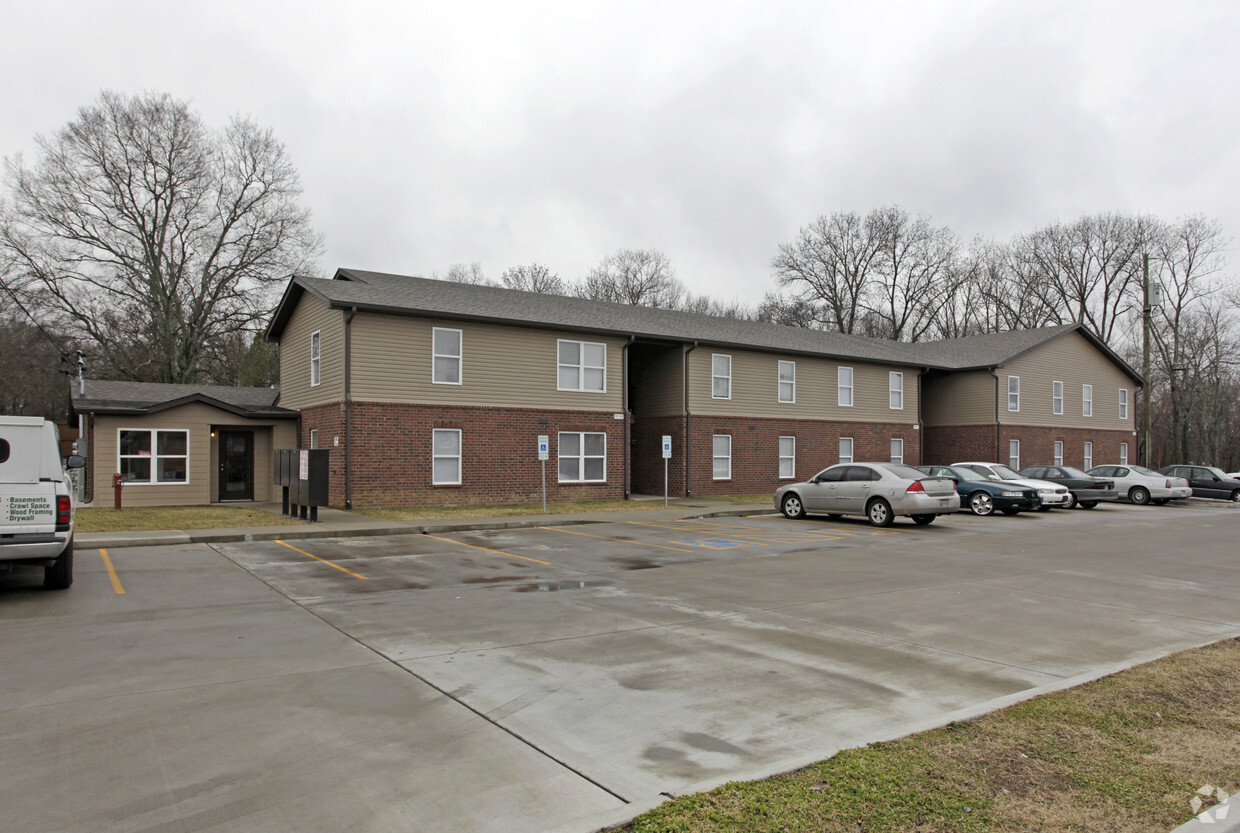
27 501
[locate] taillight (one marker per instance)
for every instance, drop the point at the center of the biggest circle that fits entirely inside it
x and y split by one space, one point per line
62 511
1168 486
916 487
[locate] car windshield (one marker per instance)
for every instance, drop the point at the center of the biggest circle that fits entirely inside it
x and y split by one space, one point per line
1071 472
1005 473
899 470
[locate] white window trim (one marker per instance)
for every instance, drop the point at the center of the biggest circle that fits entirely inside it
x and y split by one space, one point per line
155 455
840 387
1123 403
851 450
1057 398
460 357
714 375
1058 452
1123 454
1087 455
581 367
1014 459
714 457
316 358
892 389
895 440
793 457
459 457
1015 379
581 458
1087 400
780 382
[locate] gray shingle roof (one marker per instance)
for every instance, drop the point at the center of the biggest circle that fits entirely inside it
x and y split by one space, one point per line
103 396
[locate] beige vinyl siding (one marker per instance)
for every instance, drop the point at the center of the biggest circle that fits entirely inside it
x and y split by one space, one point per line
755 388
312 315
503 367
1075 361
199 420
659 385
965 398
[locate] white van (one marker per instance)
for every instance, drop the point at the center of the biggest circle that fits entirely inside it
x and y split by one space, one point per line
36 499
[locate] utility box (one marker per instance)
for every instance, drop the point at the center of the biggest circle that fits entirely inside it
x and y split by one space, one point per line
302 474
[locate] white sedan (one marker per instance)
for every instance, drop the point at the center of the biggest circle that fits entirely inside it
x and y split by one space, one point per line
1142 486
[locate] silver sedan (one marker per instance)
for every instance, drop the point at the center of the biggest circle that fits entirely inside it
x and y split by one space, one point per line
878 491
1142 486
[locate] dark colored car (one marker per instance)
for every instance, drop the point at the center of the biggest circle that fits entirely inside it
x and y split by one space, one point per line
1084 490
1207 481
983 497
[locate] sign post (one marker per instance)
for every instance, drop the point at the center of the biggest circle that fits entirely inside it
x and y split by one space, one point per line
667 455
544 452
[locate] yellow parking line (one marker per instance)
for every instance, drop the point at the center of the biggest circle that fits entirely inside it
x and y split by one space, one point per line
324 560
617 540
488 549
116 580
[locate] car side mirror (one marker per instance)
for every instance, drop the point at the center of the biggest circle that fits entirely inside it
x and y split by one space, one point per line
75 461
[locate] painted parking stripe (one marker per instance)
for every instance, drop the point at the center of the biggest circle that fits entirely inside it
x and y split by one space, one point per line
322 560
116 580
488 549
617 540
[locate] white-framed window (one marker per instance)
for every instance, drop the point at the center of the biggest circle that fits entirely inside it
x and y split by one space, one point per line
722 456
1059 452
149 455
1123 454
1013 393
1123 403
1088 457
846 449
895 390
581 365
897 450
844 387
720 376
1014 455
583 457
446 356
1057 398
446 457
1087 400
787 381
787 458
314 438
316 339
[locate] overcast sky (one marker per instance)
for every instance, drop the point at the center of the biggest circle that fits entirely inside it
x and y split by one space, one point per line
429 134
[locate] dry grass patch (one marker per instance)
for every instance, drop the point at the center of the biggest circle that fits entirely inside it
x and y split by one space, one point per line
421 513
1123 754
154 518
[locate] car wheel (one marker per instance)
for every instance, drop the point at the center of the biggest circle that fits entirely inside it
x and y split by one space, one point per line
1088 504
981 503
60 575
792 507
879 512
1235 496
1011 511
1139 495
1071 504
923 520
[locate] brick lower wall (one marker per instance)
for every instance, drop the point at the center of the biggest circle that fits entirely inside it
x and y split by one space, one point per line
946 444
646 450
954 443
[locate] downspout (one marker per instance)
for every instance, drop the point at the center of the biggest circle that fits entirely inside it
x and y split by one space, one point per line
688 416
624 406
921 420
348 408
994 371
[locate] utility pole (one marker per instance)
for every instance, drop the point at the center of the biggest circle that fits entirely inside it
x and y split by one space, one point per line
1146 314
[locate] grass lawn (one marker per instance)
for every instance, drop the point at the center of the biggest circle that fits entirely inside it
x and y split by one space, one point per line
146 518
1125 754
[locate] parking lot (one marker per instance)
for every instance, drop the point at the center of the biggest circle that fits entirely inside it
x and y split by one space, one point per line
559 678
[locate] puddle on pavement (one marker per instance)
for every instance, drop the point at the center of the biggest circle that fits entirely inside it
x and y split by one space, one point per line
556 586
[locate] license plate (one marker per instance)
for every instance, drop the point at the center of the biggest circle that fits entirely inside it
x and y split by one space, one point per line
943 501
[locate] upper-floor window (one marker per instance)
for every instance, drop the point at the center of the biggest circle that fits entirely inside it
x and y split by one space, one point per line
147 455
720 376
1087 400
1056 397
582 366
844 387
895 391
446 356
1013 393
315 342
1059 452
1123 403
787 381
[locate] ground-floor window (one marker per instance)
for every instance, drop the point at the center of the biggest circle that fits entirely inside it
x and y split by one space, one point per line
1123 454
897 450
846 449
446 457
787 458
1059 452
1088 462
1014 455
583 457
153 456
722 456
314 438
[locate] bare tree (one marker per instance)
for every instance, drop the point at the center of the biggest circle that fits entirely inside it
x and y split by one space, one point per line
141 230
467 273
791 311
642 277
914 266
534 278
831 266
